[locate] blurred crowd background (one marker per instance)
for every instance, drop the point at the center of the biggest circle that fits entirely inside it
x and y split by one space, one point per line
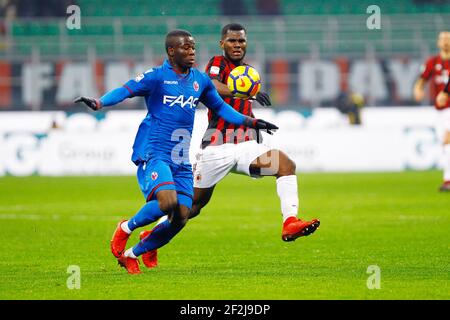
310 53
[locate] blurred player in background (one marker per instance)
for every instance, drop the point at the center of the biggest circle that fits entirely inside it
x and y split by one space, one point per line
172 92
437 69
227 147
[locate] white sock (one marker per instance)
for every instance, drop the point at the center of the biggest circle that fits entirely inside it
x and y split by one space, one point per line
124 227
446 162
287 191
129 253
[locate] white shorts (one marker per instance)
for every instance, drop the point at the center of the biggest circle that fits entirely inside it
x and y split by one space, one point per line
442 123
213 163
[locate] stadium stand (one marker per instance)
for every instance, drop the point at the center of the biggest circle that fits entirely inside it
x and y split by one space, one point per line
110 27
111 30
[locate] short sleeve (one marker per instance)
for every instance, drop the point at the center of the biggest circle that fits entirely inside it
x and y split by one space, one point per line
215 68
143 84
426 70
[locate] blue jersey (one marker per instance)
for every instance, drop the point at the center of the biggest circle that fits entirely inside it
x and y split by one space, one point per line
171 100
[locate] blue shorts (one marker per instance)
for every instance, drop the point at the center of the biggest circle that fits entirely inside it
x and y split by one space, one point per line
157 175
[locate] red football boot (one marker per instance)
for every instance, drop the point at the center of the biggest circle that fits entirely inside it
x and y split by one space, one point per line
294 228
119 241
132 265
445 187
150 259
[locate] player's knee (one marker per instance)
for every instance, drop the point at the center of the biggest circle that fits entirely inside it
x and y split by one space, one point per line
287 167
168 203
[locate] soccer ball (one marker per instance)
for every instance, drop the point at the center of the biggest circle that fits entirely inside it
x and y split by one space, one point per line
244 82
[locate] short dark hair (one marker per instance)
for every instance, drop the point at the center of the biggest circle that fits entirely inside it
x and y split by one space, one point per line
175 34
232 27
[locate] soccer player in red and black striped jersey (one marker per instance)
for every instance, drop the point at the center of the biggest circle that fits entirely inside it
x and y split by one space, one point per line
219 67
229 148
437 70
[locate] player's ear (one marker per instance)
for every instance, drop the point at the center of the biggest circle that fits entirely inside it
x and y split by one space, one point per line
221 42
170 51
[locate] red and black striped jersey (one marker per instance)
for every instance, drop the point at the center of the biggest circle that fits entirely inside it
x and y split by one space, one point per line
219 131
437 70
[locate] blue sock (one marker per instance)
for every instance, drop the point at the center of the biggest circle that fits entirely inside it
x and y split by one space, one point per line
161 235
149 213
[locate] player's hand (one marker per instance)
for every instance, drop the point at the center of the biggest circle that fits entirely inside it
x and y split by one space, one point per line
263 99
267 126
260 124
92 103
441 99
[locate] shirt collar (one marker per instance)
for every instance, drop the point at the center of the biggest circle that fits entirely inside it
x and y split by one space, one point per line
243 63
168 65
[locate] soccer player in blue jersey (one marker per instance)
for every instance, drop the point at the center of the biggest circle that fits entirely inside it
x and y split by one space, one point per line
172 92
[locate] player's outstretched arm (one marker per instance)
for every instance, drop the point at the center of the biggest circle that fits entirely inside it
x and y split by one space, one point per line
213 101
226 112
111 98
222 89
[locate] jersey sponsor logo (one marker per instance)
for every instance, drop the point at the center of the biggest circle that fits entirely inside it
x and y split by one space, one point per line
181 101
139 77
154 175
170 82
438 67
214 70
196 86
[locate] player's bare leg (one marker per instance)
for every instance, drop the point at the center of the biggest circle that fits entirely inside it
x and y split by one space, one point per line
276 163
445 187
201 199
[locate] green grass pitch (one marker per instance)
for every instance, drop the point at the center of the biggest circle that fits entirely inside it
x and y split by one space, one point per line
233 250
